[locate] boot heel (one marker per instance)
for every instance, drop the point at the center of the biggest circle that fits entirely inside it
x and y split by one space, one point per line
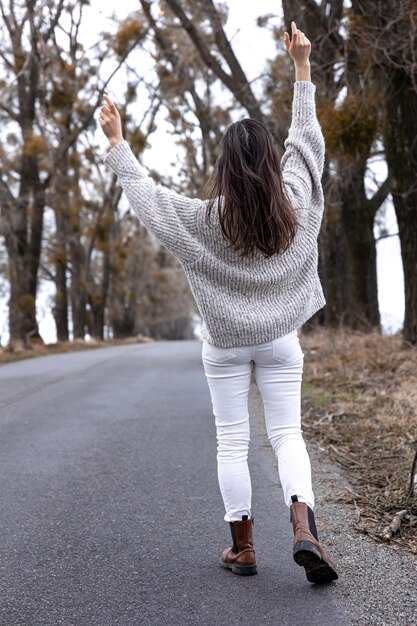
303 550
244 570
317 569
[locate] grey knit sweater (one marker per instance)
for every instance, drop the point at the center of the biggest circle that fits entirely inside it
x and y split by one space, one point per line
249 300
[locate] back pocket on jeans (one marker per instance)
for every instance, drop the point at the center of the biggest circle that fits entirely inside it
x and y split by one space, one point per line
287 350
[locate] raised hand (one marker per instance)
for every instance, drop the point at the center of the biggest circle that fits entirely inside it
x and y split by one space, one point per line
110 122
299 49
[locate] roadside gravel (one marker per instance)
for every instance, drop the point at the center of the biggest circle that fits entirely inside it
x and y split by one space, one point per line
377 582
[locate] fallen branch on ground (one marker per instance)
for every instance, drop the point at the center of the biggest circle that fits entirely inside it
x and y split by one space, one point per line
394 526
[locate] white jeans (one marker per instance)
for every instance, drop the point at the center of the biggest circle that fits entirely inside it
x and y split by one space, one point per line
278 368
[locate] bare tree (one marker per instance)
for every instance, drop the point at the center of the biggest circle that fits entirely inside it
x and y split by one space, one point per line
391 28
23 191
69 101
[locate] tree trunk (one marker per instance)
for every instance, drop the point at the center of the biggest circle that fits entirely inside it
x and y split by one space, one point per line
98 300
78 288
22 304
401 152
60 309
362 312
60 204
23 235
333 264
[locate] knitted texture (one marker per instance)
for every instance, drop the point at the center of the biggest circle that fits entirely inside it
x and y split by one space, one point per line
242 300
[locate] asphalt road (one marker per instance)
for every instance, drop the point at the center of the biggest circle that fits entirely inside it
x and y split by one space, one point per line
110 507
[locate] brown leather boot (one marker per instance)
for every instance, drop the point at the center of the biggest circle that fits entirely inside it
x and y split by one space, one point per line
240 558
307 550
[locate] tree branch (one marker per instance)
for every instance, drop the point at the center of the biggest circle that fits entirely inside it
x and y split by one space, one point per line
379 196
386 236
5 189
6 20
236 82
227 51
14 116
200 44
54 22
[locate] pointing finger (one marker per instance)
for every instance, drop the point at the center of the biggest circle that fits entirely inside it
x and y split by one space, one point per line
109 102
294 29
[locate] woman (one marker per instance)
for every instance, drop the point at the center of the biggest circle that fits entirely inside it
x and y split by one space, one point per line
250 255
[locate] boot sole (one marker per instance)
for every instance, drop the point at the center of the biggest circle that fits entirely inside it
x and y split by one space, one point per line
242 570
318 570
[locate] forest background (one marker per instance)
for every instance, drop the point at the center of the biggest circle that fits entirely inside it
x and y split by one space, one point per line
75 262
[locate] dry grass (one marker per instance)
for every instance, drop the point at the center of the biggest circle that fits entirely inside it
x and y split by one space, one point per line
360 406
17 352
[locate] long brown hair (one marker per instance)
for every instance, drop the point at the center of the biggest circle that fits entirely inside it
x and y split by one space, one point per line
247 187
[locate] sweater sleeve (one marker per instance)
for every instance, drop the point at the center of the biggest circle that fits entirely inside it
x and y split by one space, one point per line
303 160
169 216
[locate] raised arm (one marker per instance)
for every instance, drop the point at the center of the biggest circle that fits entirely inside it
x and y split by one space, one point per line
169 216
303 160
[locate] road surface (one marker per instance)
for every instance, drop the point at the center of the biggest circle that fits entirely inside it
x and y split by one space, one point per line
110 507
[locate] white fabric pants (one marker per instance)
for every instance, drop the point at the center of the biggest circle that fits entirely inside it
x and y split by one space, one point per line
278 369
